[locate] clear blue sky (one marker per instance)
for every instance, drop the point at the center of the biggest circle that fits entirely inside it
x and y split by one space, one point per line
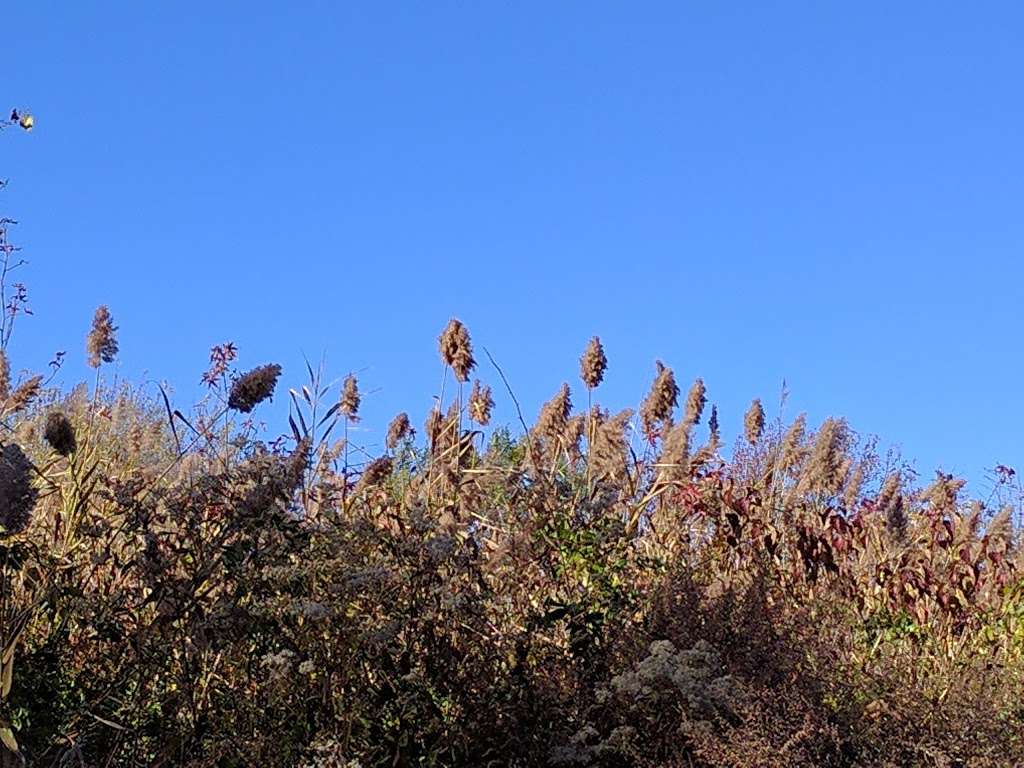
828 193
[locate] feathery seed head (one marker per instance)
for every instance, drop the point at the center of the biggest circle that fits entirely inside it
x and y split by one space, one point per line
753 422
5 376
480 403
60 434
252 388
554 416
398 430
17 494
659 403
350 398
695 401
593 364
101 343
23 395
456 349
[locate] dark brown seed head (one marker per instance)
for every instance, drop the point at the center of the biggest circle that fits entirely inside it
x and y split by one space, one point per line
350 398
660 402
695 401
554 416
252 388
753 422
480 404
60 434
17 494
593 364
456 349
23 395
101 343
398 430
376 472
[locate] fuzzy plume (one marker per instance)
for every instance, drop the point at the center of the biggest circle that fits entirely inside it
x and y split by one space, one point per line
252 388
398 430
456 349
823 472
480 403
593 364
60 434
554 416
695 401
792 452
753 422
854 482
101 343
675 451
17 494
350 398
608 454
23 395
661 400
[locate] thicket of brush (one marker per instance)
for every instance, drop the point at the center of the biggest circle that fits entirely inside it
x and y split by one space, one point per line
597 589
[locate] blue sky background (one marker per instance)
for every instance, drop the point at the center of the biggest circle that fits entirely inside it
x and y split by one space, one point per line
828 193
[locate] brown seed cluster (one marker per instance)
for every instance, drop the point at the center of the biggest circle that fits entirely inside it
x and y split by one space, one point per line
554 416
350 398
398 430
252 388
660 402
101 343
593 364
60 434
480 403
17 494
695 400
824 470
753 422
24 394
456 349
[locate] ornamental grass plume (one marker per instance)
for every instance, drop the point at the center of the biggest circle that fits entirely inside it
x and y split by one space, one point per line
943 492
101 343
593 364
60 434
456 349
823 472
17 494
695 401
675 451
854 483
753 422
480 403
398 430
661 400
376 472
5 376
252 388
350 398
608 454
23 395
791 452
889 490
554 416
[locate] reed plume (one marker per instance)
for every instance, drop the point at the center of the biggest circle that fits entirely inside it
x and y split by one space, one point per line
657 407
456 349
350 398
695 401
593 364
5 376
101 343
753 422
480 403
252 388
17 494
60 434
398 430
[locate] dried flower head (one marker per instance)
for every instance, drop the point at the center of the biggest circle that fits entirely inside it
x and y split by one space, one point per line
854 481
23 395
480 403
610 449
5 376
456 349
252 388
101 343
943 492
695 401
554 416
376 472
398 430
823 472
753 422
17 494
60 434
890 489
675 451
593 364
792 452
350 398
660 402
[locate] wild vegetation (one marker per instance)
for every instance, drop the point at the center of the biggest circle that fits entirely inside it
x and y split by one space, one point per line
594 589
